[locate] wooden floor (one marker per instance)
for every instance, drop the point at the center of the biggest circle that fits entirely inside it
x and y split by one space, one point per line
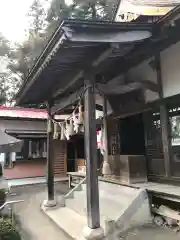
167 191
159 188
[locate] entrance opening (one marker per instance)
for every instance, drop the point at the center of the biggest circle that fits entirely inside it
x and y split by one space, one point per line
132 137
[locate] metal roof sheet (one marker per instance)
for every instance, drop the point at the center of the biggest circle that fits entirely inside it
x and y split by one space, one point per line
28 113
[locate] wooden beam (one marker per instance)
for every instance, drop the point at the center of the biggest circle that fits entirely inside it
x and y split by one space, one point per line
146 84
67 101
92 65
164 119
144 52
122 88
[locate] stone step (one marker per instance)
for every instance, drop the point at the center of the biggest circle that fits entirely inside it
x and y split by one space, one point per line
68 220
116 188
78 203
112 203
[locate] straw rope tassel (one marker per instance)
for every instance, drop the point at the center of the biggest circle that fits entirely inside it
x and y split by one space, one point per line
49 126
56 134
62 132
81 115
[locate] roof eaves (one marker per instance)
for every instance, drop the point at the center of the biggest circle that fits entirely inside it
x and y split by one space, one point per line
59 37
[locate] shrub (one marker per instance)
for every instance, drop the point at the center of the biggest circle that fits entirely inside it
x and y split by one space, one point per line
2 196
8 230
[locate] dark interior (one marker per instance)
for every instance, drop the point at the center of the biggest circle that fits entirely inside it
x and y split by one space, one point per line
132 137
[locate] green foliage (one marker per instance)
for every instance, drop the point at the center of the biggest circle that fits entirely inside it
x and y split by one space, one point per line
8 231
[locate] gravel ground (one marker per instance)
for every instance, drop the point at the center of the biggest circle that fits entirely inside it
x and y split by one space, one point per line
36 226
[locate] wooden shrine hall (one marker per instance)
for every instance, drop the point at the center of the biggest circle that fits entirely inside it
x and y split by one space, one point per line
131 66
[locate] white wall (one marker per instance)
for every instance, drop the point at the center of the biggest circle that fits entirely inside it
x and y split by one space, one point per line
170 63
144 72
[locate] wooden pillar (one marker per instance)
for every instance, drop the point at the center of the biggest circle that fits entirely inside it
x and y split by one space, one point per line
91 155
106 168
164 119
50 155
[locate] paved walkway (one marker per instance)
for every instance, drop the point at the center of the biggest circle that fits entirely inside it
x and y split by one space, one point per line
35 225
32 181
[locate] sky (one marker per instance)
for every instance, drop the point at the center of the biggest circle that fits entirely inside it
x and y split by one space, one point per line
13 18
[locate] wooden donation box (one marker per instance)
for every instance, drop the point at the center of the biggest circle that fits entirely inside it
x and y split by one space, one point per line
133 169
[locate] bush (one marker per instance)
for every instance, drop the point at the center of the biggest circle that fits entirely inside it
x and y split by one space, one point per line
2 196
8 231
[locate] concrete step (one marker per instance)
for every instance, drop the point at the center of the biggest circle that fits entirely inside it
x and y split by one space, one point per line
113 200
115 188
78 202
68 220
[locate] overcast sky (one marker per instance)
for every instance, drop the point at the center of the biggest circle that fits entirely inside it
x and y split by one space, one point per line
13 18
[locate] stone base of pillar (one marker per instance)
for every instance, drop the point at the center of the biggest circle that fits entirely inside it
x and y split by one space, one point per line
93 234
61 201
106 171
49 203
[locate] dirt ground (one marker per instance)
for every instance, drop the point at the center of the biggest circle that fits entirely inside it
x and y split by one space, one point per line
36 226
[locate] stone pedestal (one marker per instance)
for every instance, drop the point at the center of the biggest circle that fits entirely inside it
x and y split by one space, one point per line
49 203
93 234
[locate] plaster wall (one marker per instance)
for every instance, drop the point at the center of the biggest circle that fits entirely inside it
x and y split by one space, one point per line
144 72
170 64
